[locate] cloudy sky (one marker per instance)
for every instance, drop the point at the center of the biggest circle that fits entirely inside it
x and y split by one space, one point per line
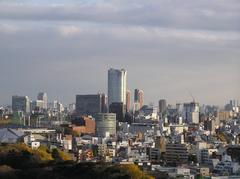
170 48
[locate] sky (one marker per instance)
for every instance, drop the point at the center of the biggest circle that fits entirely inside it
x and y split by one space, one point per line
170 48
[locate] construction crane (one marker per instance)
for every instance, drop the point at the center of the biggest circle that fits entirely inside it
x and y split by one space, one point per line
192 96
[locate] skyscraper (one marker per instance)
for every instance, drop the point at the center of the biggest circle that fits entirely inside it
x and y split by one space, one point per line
162 105
128 100
119 110
90 104
117 86
37 106
191 112
43 97
104 103
138 97
21 103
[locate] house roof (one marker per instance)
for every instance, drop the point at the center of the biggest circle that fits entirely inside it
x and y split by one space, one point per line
8 135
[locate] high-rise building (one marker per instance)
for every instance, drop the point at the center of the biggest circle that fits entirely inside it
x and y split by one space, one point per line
191 112
90 104
37 105
21 103
43 97
150 112
104 107
119 110
162 106
72 107
106 124
179 107
138 97
136 107
128 100
210 124
117 86
56 106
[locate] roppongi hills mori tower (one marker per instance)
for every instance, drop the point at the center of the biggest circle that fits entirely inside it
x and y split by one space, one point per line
117 86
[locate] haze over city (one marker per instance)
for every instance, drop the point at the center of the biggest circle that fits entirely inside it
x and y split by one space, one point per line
169 48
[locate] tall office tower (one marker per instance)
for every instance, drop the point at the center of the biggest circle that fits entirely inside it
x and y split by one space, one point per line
21 103
90 104
37 106
162 106
138 97
128 100
43 97
56 106
119 110
103 103
136 107
117 86
191 112
105 124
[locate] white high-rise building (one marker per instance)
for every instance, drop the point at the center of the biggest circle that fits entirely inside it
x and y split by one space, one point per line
117 86
43 97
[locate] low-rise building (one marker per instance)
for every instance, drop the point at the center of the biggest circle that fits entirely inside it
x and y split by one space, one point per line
176 154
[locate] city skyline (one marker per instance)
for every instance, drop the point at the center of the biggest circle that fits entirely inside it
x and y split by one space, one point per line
188 97
169 49
120 89
132 98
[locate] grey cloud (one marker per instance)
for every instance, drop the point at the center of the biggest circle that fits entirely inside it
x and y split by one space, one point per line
76 61
204 14
7 28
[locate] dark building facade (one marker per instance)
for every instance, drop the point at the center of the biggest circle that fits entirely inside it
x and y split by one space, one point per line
138 97
104 105
119 110
162 105
128 100
176 154
90 104
21 103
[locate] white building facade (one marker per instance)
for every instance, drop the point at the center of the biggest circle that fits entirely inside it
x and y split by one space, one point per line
117 86
43 97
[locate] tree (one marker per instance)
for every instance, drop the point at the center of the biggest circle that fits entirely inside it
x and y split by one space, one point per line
192 158
59 155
